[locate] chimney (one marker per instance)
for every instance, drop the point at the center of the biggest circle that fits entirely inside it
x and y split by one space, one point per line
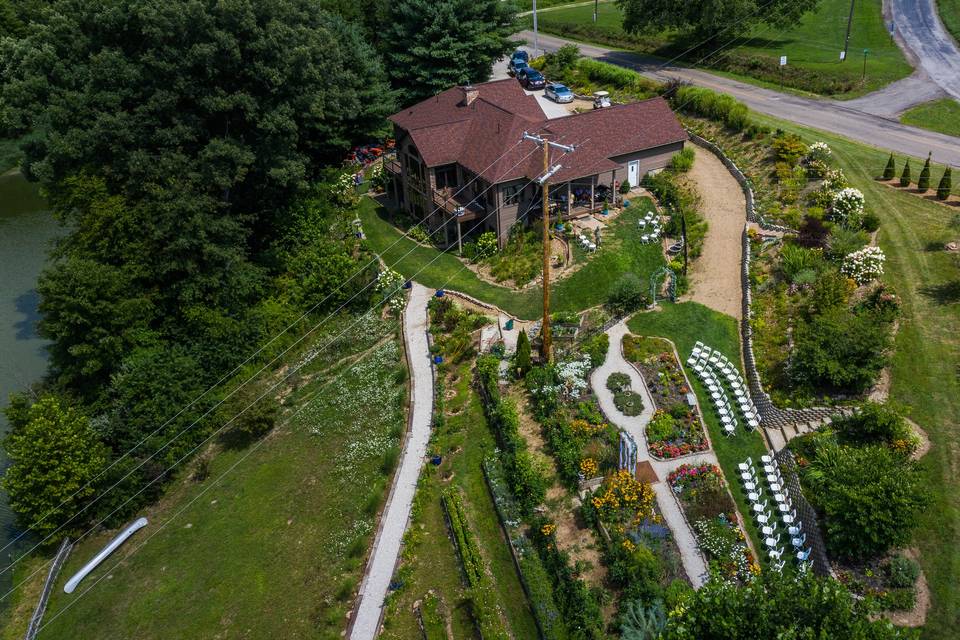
470 93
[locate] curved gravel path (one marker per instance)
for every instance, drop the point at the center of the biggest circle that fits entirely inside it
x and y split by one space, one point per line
396 515
690 555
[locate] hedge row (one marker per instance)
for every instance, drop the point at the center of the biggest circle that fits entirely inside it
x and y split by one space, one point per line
482 600
709 104
526 482
537 582
610 74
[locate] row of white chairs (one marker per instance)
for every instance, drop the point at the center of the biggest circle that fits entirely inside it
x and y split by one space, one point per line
703 359
721 402
769 525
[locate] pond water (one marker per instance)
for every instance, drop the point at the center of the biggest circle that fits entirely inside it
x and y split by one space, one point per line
26 232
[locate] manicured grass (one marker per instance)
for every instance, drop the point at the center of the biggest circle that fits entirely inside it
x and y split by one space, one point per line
950 15
275 548
812 44
430 561
686 323
926 363
940 115
622 252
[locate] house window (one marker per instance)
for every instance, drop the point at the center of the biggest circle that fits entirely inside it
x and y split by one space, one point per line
446 176
511 194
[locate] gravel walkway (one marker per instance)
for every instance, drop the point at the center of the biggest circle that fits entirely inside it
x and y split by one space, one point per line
690 556
715 275
393 522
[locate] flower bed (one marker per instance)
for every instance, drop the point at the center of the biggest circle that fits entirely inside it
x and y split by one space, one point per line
676 428
703 494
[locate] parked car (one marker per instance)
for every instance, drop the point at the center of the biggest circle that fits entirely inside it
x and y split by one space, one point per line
531 79
520 54
516 66
558 92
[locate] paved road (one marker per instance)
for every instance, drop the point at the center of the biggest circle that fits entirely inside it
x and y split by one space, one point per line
393 522
918 24
827 115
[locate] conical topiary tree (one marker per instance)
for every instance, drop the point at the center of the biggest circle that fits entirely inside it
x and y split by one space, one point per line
923 183
905 176
946 184
522 361
891 170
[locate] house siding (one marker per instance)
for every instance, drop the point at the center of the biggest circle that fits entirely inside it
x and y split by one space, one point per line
650 159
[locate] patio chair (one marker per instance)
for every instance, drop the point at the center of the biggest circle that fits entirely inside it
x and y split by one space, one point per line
746 465
764 518
729 430
766 459
799 541
803 555
778 566
789 518
760 508
775 553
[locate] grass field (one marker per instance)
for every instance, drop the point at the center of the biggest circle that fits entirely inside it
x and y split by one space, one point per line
430 561
812 46
278 545
940 115
926 365
621 252
684 324
950 15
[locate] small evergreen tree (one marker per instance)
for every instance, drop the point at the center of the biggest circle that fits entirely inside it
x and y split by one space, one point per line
521 361
923 184
905 176
891 170
946 184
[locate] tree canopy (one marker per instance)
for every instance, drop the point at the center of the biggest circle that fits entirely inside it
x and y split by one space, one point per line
54 454
432 45
707 18
795 607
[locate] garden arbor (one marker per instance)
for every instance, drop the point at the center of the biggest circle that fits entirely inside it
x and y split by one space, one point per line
655 284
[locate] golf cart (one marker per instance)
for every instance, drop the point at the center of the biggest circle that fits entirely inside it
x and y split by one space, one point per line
601 99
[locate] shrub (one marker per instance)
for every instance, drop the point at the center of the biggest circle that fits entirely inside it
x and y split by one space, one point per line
843 242
923 182
596 347
789 148
891 169
683 161
716 106
662 426
617 382
418 234
873 423
625 187
905 178
486 245
946 184
628 403
903 572
819 152
871 498
521 360
642 622
864 265
871 222
795 259
847 208
627 294
812 233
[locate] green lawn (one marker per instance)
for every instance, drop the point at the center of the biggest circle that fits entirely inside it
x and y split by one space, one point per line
275 548
621 252
812 46
430 561
950 14
685 323
940 115
926 364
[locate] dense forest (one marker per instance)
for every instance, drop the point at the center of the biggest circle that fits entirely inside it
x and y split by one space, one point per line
193 151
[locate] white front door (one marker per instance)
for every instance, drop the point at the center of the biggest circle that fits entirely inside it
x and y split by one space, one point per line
633 173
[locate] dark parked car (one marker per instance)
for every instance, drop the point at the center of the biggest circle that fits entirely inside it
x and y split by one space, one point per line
530 78
520 54
516 66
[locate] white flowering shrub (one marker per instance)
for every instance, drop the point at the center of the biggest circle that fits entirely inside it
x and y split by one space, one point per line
835 180
864 265
344 190
847 208
819 152
573 376
390 286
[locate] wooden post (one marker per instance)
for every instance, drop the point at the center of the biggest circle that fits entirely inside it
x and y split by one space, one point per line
593 190
545 350
569 201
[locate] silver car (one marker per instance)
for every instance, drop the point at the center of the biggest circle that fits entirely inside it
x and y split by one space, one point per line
558 92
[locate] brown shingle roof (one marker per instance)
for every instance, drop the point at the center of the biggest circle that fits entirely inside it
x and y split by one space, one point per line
446 129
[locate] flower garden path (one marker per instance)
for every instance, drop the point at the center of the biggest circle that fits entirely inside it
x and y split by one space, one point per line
693 560
393 521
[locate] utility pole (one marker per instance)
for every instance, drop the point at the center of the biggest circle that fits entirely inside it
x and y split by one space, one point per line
535 43
846 42
544 181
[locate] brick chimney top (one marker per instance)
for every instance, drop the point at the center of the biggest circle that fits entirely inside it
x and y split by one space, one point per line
470 93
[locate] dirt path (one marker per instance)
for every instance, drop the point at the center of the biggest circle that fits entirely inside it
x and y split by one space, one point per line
715 275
